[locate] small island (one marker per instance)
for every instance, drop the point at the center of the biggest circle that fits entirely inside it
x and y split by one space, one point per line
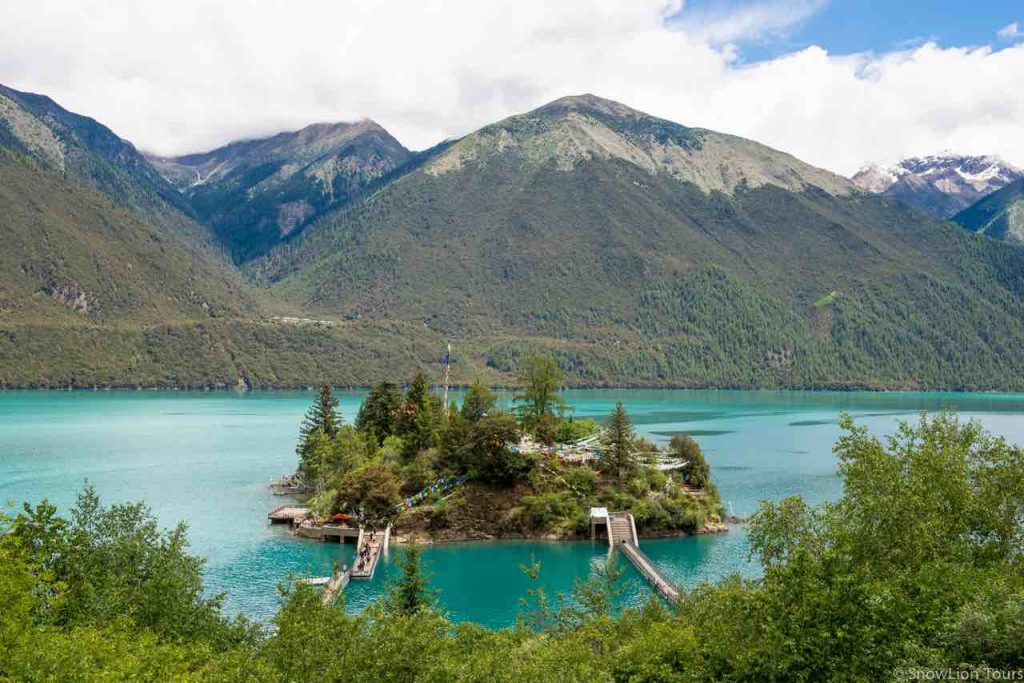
430 472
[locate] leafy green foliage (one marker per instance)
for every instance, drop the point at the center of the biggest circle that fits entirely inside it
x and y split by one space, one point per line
539 398
573 430
372 491
915 568
696 472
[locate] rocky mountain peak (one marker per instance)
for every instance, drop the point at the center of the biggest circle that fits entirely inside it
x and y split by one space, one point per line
942 184
581 128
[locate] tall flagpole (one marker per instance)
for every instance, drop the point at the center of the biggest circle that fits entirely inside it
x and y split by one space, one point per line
447 365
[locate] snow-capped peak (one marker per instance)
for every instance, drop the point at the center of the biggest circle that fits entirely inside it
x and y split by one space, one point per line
919 180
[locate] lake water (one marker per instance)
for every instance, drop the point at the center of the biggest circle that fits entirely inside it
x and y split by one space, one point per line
206 458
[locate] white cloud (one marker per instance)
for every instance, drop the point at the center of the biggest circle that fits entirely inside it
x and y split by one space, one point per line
721 25
192 74
1010 31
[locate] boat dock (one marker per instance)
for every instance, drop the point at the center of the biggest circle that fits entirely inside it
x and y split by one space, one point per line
293 515
370 546
621 532
329 531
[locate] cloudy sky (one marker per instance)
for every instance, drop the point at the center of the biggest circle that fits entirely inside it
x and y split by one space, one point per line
836 83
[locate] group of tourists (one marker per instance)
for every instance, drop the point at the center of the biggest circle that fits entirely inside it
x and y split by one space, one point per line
364 550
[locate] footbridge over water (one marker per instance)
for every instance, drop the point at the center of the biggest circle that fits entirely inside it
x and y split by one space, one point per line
621 532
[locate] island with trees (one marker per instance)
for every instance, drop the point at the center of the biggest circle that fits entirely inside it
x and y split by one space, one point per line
914 571
481 470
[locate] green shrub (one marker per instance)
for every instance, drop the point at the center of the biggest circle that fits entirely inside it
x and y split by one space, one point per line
572 430
544 511
583 479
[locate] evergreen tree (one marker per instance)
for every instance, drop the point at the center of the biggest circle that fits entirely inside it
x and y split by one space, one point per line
479 403
378 414
322 417
418 427
542 380
619 442
696 471
410 594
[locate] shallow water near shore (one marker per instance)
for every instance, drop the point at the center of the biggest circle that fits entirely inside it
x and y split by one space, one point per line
206 458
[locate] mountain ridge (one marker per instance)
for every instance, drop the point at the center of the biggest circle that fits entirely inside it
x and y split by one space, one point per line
603 241
255 193
574 128
942 184
634 249
999 215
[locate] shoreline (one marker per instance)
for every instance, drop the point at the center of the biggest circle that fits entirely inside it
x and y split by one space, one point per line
398 538
606 386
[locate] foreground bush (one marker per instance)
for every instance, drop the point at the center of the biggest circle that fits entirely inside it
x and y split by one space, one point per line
917 566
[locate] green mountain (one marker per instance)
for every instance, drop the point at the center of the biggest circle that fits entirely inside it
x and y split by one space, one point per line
639 250
106 278
93 233
636 250
254 193
999 215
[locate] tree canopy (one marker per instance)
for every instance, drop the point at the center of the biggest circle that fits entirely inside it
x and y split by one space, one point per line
538 398
915 569
322 418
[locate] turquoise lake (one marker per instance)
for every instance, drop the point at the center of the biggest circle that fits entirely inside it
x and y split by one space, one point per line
206 458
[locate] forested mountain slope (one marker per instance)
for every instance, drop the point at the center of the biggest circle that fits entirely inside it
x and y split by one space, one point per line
107 279
640 250
254 193
637 250
1000 215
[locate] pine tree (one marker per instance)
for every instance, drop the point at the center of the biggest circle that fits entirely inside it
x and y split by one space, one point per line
619 442
378 415
479 403
321 418
417 426
410 593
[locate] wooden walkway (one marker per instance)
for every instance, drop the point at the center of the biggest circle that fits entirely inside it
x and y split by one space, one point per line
368 553
334 586
650 572
622 535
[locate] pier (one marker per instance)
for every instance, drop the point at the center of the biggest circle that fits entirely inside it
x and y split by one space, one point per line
620 529
368 553
293 515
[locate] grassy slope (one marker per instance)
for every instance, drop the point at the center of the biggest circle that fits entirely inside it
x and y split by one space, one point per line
160 312
59 235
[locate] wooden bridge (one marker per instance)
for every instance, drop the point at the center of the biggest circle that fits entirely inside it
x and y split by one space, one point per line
621 530
368 552
369 548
